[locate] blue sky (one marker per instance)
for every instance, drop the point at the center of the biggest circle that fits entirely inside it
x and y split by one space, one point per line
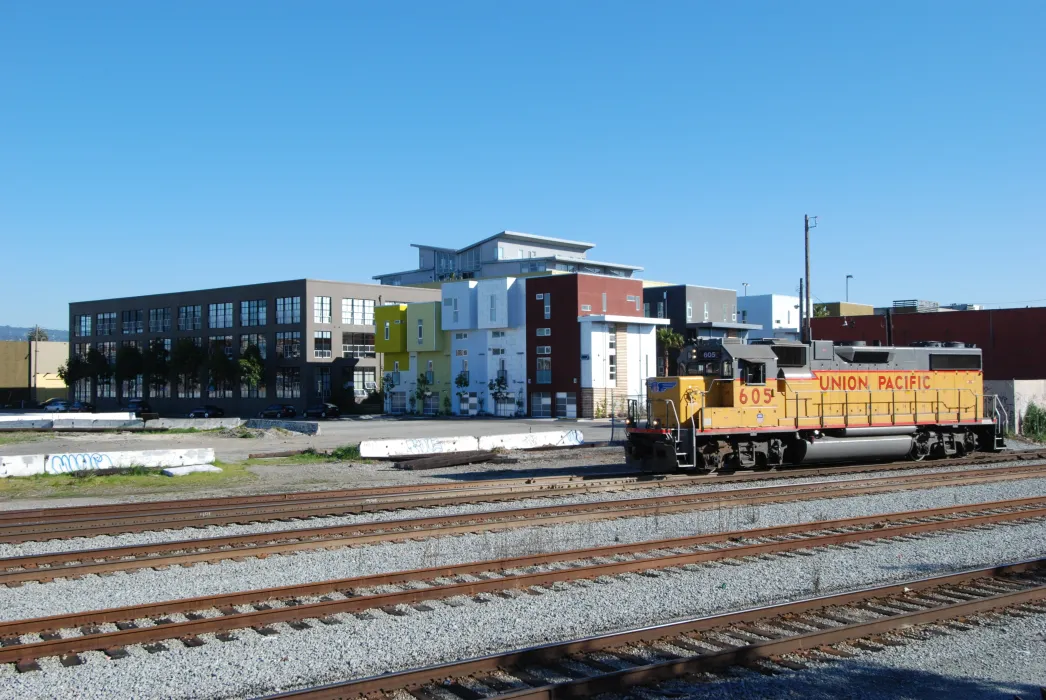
148 147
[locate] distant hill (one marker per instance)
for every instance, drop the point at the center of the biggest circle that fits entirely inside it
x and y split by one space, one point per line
16 333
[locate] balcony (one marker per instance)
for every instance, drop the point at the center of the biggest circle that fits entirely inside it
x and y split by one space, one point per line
357 351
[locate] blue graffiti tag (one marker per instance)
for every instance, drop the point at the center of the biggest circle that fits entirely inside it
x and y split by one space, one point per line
78 462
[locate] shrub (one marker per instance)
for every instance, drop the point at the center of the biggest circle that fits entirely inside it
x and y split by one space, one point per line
1034 424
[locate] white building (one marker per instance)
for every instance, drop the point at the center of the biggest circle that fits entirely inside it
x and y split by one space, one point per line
487 324
778 314
618 355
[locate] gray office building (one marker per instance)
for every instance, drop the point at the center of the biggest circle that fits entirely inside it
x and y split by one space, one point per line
316 339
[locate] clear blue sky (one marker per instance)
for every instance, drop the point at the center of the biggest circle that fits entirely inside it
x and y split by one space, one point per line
152 147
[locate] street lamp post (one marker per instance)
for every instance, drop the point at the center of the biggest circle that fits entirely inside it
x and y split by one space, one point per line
848 278
745 285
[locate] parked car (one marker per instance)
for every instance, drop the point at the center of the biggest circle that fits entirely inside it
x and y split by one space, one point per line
81 407
55 405
278 410
323 410
207 411
138 407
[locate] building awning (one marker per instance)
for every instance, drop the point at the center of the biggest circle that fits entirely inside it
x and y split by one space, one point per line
727 325
640 320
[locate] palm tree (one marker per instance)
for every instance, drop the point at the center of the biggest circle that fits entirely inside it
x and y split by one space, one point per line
669 340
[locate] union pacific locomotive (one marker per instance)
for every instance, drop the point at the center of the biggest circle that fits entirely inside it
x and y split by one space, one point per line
773 403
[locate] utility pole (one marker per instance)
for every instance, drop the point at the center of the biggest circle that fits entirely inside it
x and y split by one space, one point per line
745 285
807 225
802 316
848 278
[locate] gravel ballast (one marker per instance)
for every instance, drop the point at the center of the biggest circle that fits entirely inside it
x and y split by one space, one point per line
254 664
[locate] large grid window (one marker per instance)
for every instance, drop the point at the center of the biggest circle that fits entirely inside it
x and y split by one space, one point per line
321 341
288 310
323 383
544 370
132 388
131 322
160 320
321 309
106 388
108 349
256 339
357 345
220 315
106 323
224 342
364 381
288 345
541 404
357 312
288 383
80 349
252 313
252 392
82 326
82 390
190 318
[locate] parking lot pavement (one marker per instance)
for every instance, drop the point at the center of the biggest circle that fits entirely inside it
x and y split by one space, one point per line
332 434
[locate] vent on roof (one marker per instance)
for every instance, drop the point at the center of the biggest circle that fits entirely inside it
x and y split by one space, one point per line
971 361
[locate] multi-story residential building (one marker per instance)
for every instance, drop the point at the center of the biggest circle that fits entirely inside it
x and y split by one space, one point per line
486 321
506 254
778 314
696 313
316 339
589 346
416 354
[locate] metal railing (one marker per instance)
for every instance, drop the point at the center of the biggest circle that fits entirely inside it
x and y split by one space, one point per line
357 351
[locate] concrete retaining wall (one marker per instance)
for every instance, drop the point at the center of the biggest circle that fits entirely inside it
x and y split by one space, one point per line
44 415
297 426
198 423
438 445
27 465
1016 395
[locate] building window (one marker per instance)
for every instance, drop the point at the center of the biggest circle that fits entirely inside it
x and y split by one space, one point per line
220 315
660 309
544 332
255 339
288 310
388 329
224 342
160 320
106 388
253 313
131 322
357 345
321 309
501 252
82 390
190 318
611 353
220 388
493 308
543 350
706 311
321 341
548 305
544 370
584 307
497 351
357 312
323 383
646 309
252 392
106 323
364 382
461 352
288 382
455 313
726 310
288 345
461 336
689 311
82 326
430 376
497 334
604 302
398 402
566 404
541 404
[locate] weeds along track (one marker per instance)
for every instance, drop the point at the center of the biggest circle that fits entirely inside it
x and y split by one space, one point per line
69 634
771 639
87 521
48 566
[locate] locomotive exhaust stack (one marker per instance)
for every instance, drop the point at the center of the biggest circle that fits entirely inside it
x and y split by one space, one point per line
774 403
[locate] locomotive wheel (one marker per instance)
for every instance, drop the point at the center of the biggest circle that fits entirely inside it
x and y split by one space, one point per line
920 448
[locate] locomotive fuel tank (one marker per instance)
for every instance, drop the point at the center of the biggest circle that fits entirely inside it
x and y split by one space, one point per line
846 449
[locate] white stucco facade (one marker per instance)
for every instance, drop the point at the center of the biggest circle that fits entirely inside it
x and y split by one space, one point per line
778 314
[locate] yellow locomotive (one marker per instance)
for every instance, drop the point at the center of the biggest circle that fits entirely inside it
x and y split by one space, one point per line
774 403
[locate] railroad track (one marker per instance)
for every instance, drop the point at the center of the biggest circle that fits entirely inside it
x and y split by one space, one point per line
87 521
71 564
818 629
70 634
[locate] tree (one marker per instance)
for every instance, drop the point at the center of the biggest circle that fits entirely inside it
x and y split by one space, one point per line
669 340
73 371
127 366
187 361
156 370
423 389
222 369
98 369
251 367
37 333
820 310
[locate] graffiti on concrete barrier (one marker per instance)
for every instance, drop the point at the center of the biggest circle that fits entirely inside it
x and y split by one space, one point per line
78 462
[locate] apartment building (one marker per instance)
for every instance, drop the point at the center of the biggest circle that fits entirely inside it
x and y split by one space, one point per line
778 314
416 354
316 339
506 254
589 346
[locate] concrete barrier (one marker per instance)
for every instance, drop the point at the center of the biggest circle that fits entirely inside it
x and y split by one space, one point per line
44 415
26 424
190 469
198 423
296 426
27 465
80 423
439 445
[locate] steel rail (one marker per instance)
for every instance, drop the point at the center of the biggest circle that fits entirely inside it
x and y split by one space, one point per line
982 590
83 521
875 527
47 567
